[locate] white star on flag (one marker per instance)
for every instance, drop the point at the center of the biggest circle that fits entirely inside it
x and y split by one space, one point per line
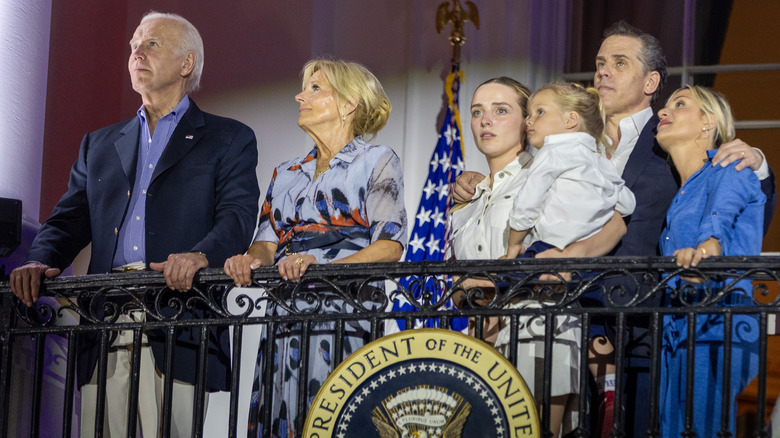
445 163
444 191
417 244
429 188
433 246
423 217
434 163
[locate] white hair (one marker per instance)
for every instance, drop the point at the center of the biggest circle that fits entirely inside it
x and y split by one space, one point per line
190 41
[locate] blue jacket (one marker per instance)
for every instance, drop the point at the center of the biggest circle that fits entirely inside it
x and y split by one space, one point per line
654 183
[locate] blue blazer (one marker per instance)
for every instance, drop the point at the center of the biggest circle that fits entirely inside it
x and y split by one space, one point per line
203 197
650 177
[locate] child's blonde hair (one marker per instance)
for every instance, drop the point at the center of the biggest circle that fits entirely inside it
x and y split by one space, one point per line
586 102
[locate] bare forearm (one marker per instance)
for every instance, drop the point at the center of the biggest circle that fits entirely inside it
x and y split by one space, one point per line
607 238
379 251
265 251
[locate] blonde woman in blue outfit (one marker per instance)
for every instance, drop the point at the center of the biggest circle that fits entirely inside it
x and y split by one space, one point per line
717 211
343 203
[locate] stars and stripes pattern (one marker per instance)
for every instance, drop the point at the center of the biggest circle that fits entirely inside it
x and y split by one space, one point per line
430 232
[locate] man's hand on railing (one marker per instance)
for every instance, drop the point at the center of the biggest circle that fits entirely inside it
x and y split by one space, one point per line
488 290
25 280
180 269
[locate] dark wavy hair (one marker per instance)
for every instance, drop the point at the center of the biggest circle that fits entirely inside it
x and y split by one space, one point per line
651 55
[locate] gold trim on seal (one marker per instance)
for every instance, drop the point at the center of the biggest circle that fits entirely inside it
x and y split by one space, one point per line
448 350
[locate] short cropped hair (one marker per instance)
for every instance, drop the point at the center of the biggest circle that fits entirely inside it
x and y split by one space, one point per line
651 55
190 41
713 104
352 82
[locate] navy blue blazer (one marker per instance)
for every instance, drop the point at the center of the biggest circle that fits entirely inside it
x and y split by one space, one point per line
650 177
203 197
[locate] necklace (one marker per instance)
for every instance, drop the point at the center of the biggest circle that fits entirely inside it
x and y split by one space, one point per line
319 173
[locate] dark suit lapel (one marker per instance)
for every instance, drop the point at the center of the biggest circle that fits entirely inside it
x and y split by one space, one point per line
127 148
642 154
184 138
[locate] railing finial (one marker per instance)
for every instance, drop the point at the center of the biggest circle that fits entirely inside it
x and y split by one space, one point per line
457 16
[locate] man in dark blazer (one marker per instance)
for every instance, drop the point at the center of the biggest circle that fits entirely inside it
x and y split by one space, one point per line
173 189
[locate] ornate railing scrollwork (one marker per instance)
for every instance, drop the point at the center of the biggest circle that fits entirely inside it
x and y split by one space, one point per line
624 284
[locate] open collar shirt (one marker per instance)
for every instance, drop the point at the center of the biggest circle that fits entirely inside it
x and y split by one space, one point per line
630 128
481 227
131 244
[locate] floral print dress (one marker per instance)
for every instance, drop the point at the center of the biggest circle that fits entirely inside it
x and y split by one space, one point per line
357 201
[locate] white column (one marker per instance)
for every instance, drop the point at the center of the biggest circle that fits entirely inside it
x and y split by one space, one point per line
24 50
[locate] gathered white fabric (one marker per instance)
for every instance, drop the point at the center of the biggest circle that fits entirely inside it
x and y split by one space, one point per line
570 192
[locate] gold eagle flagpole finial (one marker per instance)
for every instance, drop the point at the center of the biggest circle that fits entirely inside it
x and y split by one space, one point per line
457 16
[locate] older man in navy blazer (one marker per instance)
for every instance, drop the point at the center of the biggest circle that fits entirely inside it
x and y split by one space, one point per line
173 189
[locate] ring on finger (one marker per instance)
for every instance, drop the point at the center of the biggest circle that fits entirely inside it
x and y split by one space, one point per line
299 261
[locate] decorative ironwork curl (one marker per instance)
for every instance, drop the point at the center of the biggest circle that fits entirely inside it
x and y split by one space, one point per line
620 284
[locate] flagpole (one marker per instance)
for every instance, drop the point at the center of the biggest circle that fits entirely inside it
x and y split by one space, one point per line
457 16
430 226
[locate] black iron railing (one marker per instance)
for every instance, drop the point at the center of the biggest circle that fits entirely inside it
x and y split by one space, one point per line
634 291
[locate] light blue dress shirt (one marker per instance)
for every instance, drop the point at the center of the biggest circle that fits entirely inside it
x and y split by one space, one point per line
131 243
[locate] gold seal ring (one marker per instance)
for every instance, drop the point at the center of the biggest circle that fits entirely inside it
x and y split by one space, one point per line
703 251
299 261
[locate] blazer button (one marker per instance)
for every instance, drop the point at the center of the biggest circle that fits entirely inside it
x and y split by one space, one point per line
116 231
128 193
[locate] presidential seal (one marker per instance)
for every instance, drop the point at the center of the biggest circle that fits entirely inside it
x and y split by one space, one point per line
424 383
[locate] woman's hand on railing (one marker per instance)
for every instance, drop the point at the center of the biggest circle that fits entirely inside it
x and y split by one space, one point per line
690 257
294 266
239 268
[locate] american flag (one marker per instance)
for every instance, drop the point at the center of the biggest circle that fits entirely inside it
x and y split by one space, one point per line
431 232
